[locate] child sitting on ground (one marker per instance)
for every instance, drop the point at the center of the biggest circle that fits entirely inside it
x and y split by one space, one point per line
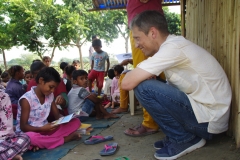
60 92
98 66
80 98
12 145
14 88
5 78
34 108
68 71
76 64
46 60
115 94
62 66
27 78
107 87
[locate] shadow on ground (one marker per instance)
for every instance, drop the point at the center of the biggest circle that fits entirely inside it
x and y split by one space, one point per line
221 147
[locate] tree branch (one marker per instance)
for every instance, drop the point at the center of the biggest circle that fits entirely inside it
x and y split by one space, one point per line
64 44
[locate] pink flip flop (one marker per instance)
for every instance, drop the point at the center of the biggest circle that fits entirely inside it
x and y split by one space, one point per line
109 149
98 139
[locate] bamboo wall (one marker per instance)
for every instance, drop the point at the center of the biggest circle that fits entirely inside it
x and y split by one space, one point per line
215 25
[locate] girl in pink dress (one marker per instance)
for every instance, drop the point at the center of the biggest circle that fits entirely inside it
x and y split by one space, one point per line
34 108
115 94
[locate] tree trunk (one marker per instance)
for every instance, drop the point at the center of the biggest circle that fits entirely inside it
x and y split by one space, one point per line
80 55
53 53
4 59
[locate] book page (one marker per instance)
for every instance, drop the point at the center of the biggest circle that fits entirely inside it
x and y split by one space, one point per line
66 119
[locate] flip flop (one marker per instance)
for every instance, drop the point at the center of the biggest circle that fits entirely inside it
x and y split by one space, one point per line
122 158
141 130
109 149
98 139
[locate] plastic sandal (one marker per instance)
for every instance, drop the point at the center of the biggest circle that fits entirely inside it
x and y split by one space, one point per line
98 139
122 158
109 149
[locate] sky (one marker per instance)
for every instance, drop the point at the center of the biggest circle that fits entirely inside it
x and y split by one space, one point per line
116 47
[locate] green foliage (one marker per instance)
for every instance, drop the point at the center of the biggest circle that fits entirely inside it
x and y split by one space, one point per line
174 21
24 60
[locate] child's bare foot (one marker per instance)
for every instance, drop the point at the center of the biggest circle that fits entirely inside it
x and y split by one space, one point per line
73 136
110 116
35 148
119 110
17 157
108 105
99 117
112 106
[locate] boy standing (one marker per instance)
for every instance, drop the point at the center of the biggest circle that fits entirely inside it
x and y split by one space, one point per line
80 98
98 66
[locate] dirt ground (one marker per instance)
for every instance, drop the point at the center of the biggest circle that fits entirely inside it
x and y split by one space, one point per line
221 147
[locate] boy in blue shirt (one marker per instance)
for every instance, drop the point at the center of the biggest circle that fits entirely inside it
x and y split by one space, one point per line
98 66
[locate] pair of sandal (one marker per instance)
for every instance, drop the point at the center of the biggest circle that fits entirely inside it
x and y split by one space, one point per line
109 149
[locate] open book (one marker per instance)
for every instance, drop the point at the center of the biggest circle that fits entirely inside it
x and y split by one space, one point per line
123 56
68 118
85 129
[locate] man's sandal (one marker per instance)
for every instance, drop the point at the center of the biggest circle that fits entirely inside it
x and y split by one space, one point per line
141 131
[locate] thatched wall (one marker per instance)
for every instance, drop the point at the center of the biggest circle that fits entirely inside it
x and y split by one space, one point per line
215 25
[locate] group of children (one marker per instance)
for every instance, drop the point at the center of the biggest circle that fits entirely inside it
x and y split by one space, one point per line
46 97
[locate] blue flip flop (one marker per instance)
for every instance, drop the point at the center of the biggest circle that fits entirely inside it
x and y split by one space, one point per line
109 149
98 139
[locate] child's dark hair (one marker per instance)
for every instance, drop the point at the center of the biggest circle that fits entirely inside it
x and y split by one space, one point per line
97 43
27 72
48 74
36 60
94 37
4 74
118 69
69 70
63 65
46 57
0 71
36 66
13 69
76 62
77 73
111 74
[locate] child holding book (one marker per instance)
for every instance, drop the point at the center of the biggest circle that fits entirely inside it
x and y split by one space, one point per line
98 66
34 108
80 98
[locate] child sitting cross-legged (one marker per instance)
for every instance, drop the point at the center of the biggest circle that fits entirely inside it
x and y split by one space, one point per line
80 98
12 145
34 108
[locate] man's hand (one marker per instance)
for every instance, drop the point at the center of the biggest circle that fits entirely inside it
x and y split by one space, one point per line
144 1
126 62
